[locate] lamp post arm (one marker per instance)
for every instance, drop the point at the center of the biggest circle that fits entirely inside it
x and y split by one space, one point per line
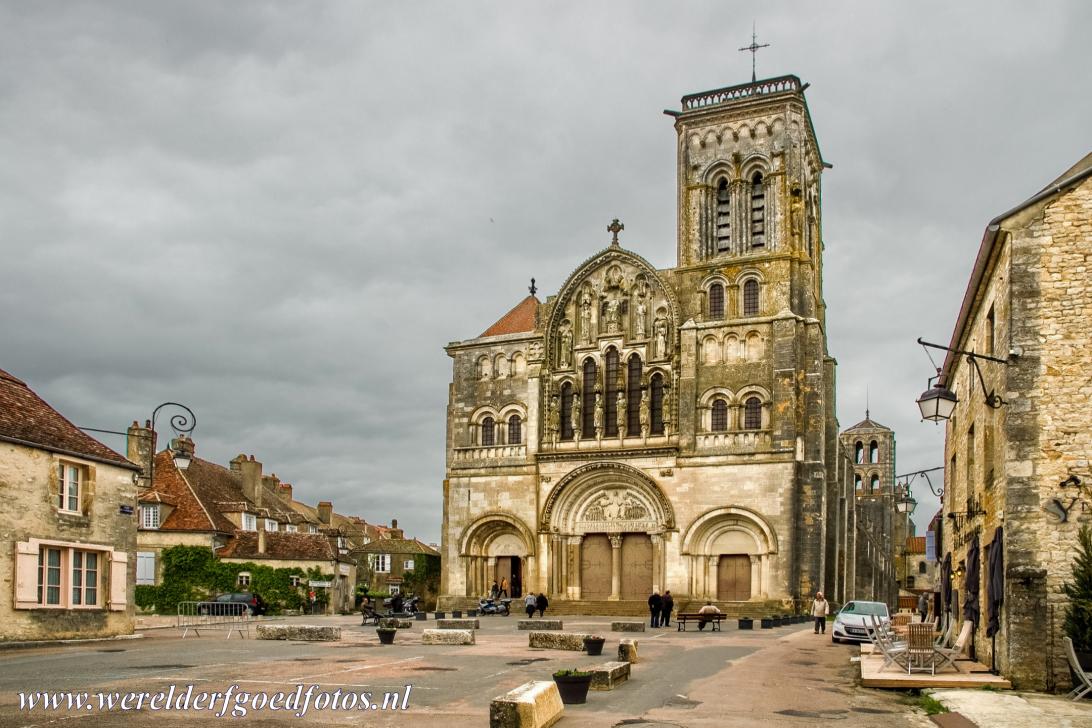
923 342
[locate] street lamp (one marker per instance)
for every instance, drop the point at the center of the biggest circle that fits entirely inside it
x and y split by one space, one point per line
938 402
906 504
181 447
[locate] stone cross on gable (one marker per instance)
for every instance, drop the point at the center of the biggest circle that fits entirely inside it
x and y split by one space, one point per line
615 227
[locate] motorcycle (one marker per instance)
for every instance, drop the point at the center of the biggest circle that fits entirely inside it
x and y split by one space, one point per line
489 606
409 605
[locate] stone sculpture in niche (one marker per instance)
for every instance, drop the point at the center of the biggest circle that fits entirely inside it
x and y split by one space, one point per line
659 342
553 423
598 415
613 317
566 347
643 413
585 316
576 416
621 413
639 313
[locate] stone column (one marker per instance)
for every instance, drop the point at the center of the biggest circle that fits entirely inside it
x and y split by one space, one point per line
756 576
657 562
615 567
576 543
711 580
489 573
764 569
563 555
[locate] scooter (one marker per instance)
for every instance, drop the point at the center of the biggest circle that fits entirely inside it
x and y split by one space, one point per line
489 606
409 605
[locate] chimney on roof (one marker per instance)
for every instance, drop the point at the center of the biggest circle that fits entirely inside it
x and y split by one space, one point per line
286 491
251 470
396 532
140 447
272 482
237 463
325 511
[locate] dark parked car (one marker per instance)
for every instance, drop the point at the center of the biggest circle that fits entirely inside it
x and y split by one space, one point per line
234 603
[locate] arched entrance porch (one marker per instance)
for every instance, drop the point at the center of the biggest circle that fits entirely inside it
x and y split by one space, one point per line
730 553
498 546
603 525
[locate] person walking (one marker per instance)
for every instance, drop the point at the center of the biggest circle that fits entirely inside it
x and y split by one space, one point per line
923 606
530 603
819 609
542 602
667 604
504 587
494 590
655 604
707 610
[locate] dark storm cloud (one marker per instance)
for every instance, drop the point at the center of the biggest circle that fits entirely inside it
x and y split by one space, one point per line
279 213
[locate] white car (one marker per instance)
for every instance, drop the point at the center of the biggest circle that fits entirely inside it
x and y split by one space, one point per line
852 621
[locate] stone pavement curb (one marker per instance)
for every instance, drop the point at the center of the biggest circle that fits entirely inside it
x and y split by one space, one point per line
1004 709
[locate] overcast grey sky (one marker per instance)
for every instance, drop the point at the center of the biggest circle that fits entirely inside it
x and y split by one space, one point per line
278 213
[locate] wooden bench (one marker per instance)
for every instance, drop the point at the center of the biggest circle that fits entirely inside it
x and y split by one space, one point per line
683 617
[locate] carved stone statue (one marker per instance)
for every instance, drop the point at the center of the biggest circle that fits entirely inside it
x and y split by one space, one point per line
659 335
585 316
597 417
614 317
576 416
553 422
566 347
639 313
621 414
643 413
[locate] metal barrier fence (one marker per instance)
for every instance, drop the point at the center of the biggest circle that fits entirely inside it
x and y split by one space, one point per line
229 616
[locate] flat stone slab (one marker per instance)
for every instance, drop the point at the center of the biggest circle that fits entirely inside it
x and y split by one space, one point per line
557 640
609 675
458 624
299 632
447 637
539 624
627 651
536 704
627 626
396 622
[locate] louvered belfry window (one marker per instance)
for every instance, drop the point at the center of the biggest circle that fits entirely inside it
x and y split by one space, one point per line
587 412
633 397
758 211
719 416
724 216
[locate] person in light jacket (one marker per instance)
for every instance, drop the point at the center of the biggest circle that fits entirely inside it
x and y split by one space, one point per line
819 609
530 604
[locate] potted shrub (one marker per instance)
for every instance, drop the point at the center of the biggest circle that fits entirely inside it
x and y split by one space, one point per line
386 635
1078 612
593 644
746 622
573 686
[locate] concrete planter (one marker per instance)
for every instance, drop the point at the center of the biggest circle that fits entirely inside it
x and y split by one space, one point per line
594 645
421 617
456 613
746 623
767 622
439 615
386 635
573 688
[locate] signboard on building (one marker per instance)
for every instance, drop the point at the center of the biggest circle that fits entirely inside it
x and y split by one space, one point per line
323 584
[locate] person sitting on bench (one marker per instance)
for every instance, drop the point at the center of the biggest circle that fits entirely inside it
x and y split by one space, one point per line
709 608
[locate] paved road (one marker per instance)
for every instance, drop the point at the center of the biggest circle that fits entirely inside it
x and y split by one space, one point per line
782 677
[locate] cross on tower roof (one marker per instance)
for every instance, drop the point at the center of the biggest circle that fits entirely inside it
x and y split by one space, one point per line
753 48
532 288
615 227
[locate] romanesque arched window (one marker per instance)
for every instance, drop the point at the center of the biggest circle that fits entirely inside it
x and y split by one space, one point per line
633 396
752 414
587 406
724 216
566 411
716 301
656 404
515 430
873 452
858 452
488 438
719 416
750 297
922 568
874 482
758 211
858 485
613 386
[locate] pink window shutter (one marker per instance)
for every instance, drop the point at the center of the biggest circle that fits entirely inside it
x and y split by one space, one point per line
119 580
26 575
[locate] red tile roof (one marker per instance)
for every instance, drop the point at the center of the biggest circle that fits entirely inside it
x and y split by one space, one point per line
26 419
915 544
517 321
280 545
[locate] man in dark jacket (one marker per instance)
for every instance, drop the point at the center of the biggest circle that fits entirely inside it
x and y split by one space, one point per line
655 604
542 602
666 607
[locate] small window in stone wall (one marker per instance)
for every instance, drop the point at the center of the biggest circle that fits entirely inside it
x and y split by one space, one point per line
294 580
922 568
244 578
488 434
873 452
716 301
515 430
752 414
719 416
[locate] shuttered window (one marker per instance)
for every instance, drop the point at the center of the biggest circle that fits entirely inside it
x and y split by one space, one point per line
724 216
758 211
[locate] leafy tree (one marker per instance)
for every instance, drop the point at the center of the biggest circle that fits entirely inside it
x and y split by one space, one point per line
1078 613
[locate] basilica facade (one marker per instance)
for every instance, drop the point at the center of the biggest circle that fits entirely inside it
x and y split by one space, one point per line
651 429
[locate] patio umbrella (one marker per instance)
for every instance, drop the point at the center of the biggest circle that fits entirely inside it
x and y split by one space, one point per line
995 582
971 606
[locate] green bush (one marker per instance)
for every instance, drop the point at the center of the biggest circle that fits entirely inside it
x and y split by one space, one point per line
145 596
1078 613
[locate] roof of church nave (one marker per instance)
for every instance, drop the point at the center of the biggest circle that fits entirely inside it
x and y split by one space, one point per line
867 424
520 319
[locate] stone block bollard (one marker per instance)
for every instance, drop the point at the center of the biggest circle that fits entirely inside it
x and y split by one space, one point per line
458 624
539 624
447 637
299 632
531 705
627 626
627 651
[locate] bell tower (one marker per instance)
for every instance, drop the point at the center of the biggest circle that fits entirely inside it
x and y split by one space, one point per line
749 191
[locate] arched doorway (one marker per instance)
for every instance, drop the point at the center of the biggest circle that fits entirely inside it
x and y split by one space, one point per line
605 523
731 552
497 547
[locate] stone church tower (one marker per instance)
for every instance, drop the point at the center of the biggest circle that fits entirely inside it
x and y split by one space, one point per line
664 429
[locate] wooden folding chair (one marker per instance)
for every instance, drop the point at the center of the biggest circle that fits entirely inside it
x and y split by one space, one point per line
948 657
1084 678
921 655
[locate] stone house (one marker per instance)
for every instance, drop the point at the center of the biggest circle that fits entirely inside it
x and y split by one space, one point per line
67 529
917 574
668 428
237 512
1017 474
391 556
